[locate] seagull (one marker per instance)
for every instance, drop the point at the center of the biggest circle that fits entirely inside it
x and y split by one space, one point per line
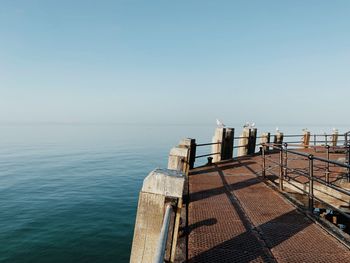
246 125
277 130
219 124
252 125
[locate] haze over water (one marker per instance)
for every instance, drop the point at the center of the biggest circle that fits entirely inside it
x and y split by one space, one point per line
69 192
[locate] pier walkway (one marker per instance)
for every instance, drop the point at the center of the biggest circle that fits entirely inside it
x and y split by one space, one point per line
234 216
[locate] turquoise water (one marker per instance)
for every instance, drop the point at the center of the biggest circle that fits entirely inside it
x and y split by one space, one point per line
68 193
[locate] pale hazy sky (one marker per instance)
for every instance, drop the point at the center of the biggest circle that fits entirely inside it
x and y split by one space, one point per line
175 61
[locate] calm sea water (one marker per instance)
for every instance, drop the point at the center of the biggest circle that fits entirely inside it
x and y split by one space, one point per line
68 193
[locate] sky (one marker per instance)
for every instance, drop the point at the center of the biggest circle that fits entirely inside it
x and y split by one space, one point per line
177 62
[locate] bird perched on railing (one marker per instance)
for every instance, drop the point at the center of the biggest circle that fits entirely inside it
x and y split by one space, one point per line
220 124
249 125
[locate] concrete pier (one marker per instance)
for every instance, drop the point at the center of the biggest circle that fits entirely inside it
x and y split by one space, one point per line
159 187
281 204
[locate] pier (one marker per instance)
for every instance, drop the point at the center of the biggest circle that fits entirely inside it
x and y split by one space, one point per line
281 198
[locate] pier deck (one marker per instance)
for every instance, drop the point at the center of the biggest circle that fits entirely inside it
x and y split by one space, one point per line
233 216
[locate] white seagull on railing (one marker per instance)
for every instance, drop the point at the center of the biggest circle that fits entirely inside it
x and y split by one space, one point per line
220 123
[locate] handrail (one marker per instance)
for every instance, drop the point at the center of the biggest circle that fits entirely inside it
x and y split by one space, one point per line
163 237
283 164
206 144
205 155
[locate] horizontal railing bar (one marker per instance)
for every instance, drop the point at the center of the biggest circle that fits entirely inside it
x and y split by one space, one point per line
206 144
331 161
205 155
240 146
292 135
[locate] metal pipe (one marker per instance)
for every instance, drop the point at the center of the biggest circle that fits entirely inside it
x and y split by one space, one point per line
311 182
348 162
263 161
205 155
281 170
163 237
285 160
327 165
206 144
314 139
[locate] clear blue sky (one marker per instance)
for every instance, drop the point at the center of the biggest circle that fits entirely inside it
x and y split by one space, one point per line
175 61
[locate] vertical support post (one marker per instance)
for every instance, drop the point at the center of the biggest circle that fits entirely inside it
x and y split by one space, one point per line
189 159
278 139
285 171
252 140
227 147
327 164
335 137
311 182
306 139
315 139
265 140
192 154
218 138
325 139
176 230
281 169
178 159
243 143
263 161
348 162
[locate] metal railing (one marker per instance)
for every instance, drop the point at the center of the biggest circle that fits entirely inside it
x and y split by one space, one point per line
163 237
294 140
284 168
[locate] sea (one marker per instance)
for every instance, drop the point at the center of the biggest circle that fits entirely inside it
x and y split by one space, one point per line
68 192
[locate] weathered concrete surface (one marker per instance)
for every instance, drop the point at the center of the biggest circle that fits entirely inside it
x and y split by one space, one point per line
233 216
164 182
178 157
158 185
243 143
218 137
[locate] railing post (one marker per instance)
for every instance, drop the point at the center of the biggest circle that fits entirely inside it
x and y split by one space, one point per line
243 142
219 138
176 230
285 171
252 140
327 164
335 137
265 140
189 159
278 139
348 162
325 139
192 154
263 160
281 169
306 139
311 182
315 139
227 147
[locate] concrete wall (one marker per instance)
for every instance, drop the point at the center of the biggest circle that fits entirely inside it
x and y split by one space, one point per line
159 186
